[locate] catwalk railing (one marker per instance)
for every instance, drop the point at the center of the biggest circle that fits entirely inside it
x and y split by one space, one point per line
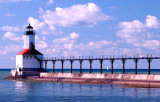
101 59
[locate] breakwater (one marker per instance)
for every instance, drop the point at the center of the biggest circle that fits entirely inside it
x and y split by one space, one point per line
130 80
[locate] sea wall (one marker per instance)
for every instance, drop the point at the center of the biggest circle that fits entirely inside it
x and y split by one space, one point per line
129 80
103 76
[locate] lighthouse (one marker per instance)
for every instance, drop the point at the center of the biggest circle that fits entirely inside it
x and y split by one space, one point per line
28 60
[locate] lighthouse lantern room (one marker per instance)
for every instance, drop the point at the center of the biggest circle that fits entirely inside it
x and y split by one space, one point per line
28 58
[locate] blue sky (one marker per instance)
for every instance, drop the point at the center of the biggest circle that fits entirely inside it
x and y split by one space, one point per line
80 27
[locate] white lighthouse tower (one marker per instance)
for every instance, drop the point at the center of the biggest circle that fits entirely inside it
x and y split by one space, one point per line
28 60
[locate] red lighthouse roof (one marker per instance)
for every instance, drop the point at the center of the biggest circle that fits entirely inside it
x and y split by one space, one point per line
28 52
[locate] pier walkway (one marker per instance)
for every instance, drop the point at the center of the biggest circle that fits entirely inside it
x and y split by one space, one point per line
101 59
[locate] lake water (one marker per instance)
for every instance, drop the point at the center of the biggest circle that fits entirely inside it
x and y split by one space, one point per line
21 91
116 71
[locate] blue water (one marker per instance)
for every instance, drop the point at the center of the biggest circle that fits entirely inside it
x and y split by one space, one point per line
116 71
21 91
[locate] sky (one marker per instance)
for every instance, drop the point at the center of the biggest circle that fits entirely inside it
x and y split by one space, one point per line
80 28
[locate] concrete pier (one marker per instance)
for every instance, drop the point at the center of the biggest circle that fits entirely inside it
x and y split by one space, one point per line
129 80
103 76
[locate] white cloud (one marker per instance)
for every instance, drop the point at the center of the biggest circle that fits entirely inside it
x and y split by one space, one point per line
104 42
117 51
41 43
152 44
100 44
76 15
12 36
137 34
68 39
43 28
36 23
11 48
74 35
69 46
50 2
132 32
10 29
8 14
91 43
152 22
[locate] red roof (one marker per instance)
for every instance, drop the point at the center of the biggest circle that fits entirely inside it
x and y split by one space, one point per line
28 52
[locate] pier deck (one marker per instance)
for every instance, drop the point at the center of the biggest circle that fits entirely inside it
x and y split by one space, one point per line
101 59
129 80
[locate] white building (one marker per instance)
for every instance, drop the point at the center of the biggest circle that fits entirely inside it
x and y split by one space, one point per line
28 59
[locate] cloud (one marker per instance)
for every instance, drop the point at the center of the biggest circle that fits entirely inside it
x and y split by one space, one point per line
36 23
137 34
100 44
67 39
44 28
7 1
41 42
50 2
8 14
82 15
76 15
152 22
12 36
11 48
152 44
69 46
132 32
10 29
74 35
118 51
